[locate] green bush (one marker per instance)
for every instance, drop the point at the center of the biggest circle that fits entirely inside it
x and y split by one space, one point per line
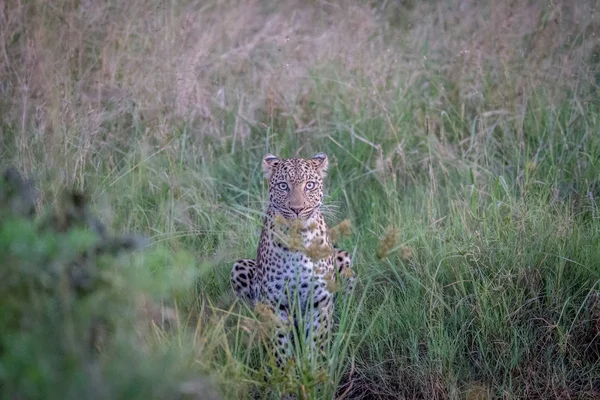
73 325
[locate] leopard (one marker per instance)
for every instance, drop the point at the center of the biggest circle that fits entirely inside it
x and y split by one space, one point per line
295 255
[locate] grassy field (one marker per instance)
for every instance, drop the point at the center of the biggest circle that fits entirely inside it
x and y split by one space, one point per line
464 148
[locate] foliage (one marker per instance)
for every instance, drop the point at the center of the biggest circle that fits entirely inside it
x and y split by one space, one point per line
71 327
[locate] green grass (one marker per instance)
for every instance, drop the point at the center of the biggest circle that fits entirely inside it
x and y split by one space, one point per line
473 198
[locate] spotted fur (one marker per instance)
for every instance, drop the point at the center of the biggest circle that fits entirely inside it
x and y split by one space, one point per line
295 255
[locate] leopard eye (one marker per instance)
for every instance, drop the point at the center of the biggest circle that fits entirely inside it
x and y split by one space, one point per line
310 185
282 186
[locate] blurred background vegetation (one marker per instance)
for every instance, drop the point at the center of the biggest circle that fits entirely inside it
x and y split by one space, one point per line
464 142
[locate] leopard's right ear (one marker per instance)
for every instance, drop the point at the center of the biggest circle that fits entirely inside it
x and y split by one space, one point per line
269 164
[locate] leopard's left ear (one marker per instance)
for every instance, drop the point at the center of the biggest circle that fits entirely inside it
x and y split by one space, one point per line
320 161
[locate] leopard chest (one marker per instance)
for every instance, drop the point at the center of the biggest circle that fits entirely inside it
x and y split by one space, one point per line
293 262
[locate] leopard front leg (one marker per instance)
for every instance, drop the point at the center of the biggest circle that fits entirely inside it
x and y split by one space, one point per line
282 343
318 321
345 271
242 277
277 323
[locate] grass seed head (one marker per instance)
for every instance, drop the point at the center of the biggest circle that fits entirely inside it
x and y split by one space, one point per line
289 232
332 284
344 228
387 243
347 273
269 321
406 252
318 250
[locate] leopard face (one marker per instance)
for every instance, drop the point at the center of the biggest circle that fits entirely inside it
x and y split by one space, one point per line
295 184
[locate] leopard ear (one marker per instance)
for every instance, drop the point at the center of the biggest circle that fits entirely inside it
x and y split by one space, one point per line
269 163
320 161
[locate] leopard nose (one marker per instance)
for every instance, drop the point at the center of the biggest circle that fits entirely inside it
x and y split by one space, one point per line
296 210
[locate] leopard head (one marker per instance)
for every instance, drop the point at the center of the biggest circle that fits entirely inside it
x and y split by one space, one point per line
295 184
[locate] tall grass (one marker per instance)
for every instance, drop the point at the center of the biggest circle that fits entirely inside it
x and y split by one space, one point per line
464 148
